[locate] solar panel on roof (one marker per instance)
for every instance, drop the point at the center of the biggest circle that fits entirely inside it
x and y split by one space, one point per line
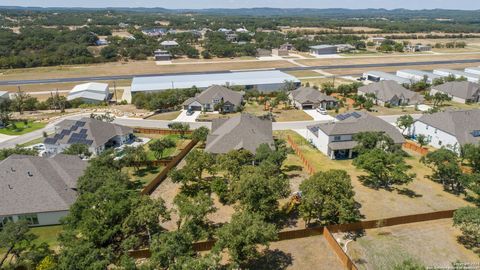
356 115
83 131
50 141
80 123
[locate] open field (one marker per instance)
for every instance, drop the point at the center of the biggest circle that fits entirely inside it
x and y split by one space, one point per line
132 68
420 196
304 253
432 243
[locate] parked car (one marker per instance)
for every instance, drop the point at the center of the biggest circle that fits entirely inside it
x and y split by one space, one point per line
189 113
321 111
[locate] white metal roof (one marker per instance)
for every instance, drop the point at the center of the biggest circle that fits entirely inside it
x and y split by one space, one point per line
91 86
413 74
156 83
169 43
473 70
385 76
457 73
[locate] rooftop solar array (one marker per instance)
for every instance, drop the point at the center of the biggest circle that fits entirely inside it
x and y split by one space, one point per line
344 116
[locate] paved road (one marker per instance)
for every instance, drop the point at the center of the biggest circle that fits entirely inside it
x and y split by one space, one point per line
127 77
138 122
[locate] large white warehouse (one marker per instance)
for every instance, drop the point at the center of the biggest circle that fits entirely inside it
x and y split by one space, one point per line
458 74
263 81
376 76
473 70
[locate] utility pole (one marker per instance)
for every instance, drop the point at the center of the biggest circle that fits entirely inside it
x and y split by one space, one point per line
115 91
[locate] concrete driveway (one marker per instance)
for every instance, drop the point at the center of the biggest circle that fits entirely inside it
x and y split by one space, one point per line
318 116
183 117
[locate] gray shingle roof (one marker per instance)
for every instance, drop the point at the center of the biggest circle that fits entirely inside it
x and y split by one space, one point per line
460 124
245 131
307 94
387 90
88 131
31 184
217 92
357 122
464 90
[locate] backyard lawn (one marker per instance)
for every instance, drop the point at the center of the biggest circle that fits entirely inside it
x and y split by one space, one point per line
19 128
420 196
144 175
165 116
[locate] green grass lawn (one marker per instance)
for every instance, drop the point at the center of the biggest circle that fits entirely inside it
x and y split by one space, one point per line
20 128
47 234
32 142
144 175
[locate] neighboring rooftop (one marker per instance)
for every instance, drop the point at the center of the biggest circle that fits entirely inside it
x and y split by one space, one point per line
308 94
464 125
156 83
245 131
217 92
412 73
87 131
386 76
91 90
32 184
465 90
169 43
387 90
457 73
318 47
356 122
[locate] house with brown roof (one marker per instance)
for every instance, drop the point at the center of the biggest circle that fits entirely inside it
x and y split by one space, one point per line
305 98
245 131
391 93
39 190
462 92
335 139
215 98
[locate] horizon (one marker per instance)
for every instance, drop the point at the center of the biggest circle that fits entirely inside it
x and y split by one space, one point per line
469 5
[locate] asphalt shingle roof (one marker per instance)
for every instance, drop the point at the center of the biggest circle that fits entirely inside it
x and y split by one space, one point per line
245 131
460 124
88 131
464 89
307 94
32 184
386 90
217 92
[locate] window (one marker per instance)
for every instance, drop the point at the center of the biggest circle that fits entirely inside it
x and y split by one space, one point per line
4 220
337 138
32 219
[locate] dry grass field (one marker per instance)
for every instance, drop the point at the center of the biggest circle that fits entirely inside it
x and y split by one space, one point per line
432 243
420 196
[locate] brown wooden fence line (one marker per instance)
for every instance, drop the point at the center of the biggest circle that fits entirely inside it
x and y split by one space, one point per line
344 258
417 148
308 167
161 131
158 162
148 189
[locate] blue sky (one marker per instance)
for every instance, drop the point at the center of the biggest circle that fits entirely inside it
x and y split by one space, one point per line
354 4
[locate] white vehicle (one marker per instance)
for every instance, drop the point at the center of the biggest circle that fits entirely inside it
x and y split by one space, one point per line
321 111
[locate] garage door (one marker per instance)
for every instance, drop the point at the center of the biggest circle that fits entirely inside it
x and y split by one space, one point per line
307 106
195 108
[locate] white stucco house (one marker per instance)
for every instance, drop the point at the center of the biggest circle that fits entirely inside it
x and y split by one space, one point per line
37 189
450 129
335 139
96 134
462 92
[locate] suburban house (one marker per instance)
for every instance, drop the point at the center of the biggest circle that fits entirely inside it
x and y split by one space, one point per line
335 139
245 131
90 92
305 98
323 49
462 92
450 129
154 32
96 134
212 98
37 189
392 93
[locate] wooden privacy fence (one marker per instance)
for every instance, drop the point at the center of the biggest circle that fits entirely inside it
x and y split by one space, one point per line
327 231
148 189
308 167
417 148
161 131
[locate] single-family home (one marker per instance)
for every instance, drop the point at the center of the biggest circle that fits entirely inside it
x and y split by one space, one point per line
336 139
450 129
392 93
154 32
462 92
37 189
96 134
215 98
305 98
244 131
90 92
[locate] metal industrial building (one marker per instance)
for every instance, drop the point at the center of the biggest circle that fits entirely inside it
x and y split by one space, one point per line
458 74
376 76
417 75
263 81
473 70
323 49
